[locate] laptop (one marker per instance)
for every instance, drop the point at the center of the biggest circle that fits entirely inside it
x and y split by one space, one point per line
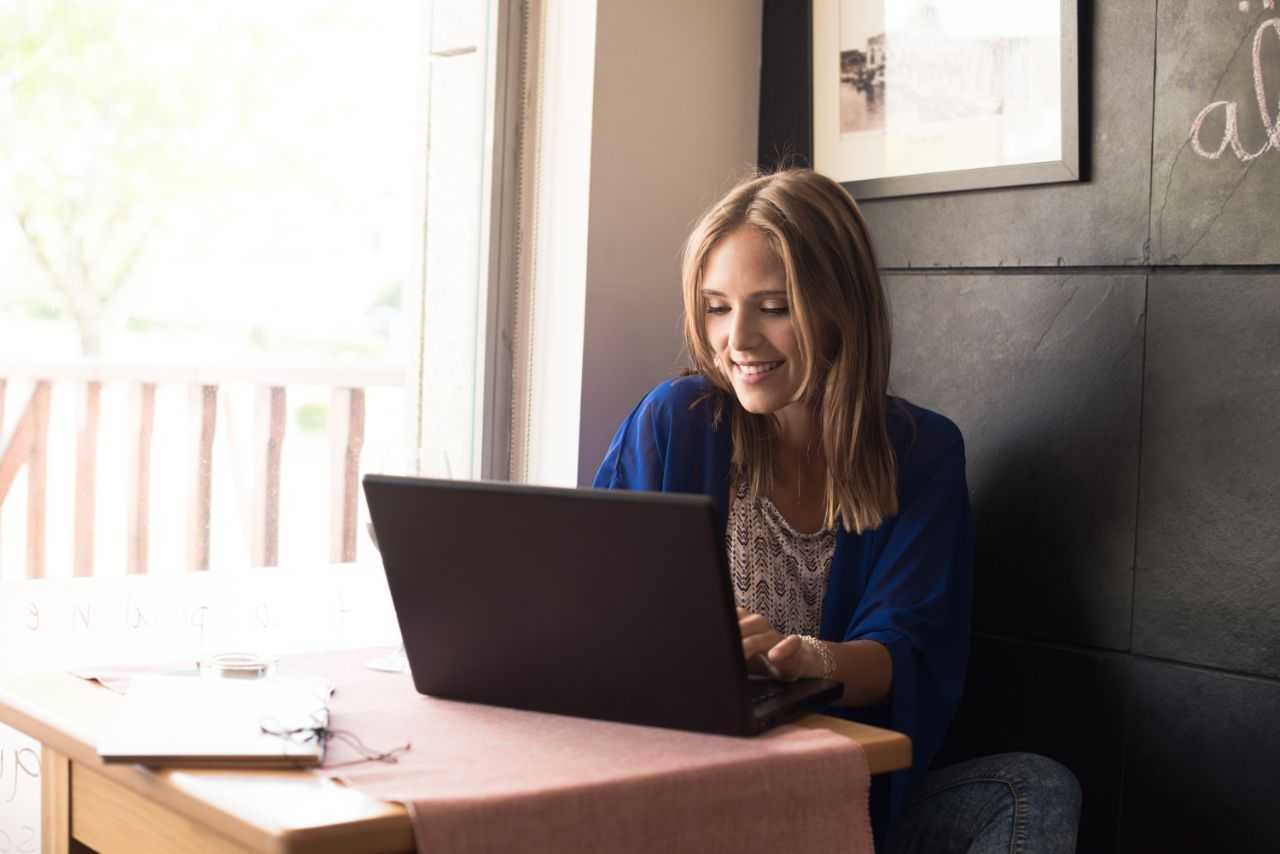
595 603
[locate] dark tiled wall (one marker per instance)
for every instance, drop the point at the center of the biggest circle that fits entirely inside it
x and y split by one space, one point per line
1043 375
1111 350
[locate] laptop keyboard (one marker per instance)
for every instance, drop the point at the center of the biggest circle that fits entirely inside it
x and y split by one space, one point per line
759 690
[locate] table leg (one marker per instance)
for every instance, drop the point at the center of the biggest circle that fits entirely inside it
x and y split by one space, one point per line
55 802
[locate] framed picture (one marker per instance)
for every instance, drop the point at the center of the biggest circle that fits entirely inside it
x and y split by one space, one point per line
931 96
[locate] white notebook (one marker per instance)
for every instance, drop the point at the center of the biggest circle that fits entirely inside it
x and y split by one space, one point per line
198 721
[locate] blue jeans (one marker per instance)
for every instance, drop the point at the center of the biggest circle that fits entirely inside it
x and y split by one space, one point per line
1012 803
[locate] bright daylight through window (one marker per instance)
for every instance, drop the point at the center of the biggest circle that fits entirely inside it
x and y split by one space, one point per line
213 233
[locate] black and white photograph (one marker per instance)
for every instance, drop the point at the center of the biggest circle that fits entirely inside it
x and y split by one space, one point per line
862 67
914 88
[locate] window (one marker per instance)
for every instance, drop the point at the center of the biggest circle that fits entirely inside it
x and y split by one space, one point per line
244 258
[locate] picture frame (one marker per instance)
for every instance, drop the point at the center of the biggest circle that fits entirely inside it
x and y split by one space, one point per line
911 97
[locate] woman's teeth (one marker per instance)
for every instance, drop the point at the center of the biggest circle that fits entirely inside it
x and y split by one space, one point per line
757 369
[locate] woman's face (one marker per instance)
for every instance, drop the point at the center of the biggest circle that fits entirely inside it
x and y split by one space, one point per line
748 321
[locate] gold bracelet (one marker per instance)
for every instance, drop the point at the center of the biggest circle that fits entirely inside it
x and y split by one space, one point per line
828 661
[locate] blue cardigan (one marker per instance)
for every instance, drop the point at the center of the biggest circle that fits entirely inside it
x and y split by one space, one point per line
907 584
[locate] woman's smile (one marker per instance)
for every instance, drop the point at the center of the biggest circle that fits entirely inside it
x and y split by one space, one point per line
756 372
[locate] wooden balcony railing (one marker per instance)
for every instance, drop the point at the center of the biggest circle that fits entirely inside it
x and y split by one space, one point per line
26 446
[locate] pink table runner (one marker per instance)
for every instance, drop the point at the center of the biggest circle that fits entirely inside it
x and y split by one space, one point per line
481 778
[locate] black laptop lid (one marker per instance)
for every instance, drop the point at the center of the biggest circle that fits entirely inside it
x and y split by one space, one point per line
597 603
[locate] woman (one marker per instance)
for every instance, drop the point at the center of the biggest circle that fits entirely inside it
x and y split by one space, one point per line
845 511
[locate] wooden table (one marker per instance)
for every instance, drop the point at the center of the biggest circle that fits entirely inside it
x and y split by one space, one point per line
132 809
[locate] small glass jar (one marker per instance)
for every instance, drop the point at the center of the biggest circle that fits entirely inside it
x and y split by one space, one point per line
238 665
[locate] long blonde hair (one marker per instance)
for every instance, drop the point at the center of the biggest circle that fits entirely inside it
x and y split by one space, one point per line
842 325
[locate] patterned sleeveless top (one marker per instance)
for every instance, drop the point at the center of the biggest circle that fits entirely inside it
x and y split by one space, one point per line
778 572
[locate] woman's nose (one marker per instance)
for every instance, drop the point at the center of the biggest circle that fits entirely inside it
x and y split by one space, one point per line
743 334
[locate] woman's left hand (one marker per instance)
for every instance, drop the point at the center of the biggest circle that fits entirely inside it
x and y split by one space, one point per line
773 654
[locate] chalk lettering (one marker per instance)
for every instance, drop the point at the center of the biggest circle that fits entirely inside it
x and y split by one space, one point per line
85 613
25 844
29 762
343 610
24 762
198 615
133 616
1228 134
33 617
1231 127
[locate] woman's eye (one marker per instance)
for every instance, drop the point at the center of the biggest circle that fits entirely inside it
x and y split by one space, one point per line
774 309
717 309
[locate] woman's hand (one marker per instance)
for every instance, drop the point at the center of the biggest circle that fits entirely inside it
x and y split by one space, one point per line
772 654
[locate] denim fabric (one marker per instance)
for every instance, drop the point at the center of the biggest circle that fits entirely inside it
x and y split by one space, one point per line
1012 803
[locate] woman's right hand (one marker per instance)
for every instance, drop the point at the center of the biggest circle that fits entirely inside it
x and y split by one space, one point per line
770 653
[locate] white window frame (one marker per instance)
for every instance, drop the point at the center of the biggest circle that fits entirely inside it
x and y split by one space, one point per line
485 396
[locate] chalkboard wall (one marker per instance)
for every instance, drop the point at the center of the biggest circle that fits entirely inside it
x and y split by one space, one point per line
1111 350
